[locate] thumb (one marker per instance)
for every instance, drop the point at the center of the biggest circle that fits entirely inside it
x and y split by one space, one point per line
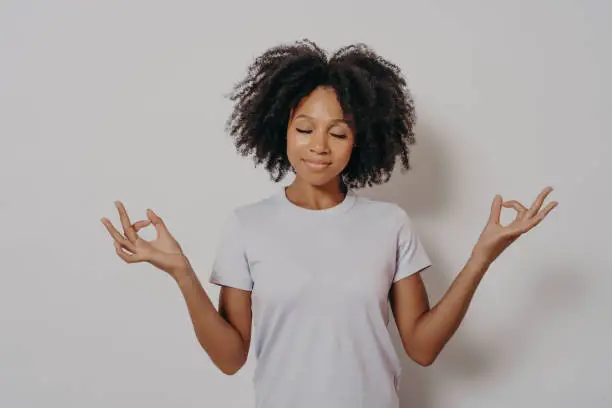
496 208
156 220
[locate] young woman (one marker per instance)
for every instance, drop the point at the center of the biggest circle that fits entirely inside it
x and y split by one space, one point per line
315 266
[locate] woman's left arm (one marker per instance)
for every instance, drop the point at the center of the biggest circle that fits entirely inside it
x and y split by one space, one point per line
424 330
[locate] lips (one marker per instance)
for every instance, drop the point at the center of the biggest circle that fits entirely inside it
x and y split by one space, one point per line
316 164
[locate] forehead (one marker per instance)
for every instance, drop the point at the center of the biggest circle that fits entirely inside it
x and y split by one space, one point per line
322 104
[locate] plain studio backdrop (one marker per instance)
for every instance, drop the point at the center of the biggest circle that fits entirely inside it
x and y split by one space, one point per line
104 101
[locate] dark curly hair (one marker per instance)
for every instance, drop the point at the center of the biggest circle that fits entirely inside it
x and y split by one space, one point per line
369 88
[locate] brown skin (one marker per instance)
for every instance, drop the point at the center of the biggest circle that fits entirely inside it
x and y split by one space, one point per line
425 331
318 131
224 335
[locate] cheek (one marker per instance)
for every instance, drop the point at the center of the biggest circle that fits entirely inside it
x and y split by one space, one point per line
300 140
343 152
295 144
296 141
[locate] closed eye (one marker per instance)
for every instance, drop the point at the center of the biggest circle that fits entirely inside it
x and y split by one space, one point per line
333 134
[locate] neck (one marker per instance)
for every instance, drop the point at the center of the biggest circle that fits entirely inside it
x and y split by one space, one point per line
316 197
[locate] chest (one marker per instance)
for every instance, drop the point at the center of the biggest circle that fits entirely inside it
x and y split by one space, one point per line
340 267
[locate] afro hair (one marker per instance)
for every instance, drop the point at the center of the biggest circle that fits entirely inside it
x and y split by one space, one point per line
369 88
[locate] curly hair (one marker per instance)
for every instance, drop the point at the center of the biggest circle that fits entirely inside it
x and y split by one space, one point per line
369 88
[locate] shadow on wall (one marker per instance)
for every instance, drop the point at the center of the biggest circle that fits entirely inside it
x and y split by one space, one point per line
424 192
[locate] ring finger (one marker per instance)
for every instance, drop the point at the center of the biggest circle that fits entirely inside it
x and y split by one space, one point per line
535 207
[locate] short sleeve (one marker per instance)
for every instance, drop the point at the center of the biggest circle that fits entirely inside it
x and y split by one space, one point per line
230 266
411 255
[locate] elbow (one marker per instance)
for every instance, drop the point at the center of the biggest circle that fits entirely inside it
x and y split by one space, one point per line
230 369
233 365
425 362
424 358
228 361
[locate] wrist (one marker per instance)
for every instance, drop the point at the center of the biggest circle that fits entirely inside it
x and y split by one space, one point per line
480 260
182 271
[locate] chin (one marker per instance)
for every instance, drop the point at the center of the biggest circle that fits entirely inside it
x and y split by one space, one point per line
317 180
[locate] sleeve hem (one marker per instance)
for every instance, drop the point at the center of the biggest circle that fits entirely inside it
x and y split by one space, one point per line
418 268
244 285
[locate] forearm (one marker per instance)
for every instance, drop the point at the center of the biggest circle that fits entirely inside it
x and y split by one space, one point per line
219 339
435 327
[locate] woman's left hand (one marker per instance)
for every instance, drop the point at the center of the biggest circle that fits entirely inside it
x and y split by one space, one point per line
495 238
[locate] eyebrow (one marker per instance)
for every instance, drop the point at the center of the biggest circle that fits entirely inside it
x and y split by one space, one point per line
347 121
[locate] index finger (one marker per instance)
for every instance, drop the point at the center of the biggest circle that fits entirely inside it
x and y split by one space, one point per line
116 234
129 231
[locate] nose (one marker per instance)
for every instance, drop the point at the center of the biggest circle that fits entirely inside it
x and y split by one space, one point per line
319 143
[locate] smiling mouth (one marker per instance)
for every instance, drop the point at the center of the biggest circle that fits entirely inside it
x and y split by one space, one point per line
315 165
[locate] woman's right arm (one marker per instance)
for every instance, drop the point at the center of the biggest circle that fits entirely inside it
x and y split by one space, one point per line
226 334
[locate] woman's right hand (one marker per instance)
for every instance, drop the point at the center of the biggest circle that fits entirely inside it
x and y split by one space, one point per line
164 252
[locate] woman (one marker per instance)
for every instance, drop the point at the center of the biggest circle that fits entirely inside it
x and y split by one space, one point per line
314 265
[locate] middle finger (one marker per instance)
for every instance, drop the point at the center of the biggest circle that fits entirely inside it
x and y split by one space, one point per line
128 229
535 207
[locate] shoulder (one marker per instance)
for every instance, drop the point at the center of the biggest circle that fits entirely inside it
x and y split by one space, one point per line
259 211
381 210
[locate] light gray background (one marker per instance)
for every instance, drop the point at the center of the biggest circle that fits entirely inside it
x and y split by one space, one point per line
124 100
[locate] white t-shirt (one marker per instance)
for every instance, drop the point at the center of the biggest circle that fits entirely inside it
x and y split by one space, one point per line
320 281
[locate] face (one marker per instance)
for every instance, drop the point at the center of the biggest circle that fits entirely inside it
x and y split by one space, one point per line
319 138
